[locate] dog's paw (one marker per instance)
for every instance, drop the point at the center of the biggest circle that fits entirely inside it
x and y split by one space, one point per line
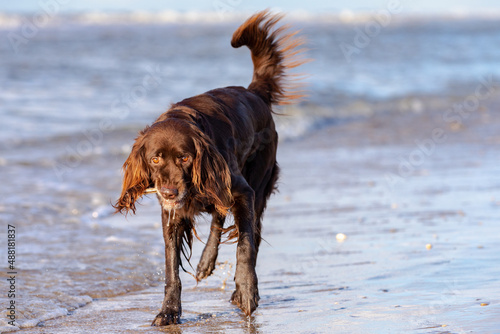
246 298
167 318
205 268
208 260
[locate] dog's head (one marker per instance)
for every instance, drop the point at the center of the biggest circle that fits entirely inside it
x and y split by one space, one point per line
178 160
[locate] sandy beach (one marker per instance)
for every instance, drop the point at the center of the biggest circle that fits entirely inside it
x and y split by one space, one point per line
420 254
387 215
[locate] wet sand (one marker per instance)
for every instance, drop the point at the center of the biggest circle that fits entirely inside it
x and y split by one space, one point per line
421 251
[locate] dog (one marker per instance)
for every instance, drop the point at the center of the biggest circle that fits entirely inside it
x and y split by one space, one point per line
216 153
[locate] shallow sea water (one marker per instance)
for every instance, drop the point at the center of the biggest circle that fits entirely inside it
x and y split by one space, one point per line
382 278
81 269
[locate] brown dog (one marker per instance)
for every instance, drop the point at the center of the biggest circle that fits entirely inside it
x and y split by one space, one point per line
215 153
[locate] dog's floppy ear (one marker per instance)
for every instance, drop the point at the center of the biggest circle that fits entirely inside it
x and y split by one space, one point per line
136 177
210 173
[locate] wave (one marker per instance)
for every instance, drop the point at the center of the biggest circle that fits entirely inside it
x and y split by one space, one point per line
54 18
8 20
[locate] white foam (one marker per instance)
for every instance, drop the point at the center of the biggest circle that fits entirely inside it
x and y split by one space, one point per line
44 312
5 327
345 16
117 239
56 313
10 20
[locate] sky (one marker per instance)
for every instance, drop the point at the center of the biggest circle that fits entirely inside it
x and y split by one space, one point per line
410 6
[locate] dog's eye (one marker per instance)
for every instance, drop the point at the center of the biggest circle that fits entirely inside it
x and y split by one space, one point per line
184 158
155 160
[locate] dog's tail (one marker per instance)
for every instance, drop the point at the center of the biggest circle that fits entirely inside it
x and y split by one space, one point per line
274 51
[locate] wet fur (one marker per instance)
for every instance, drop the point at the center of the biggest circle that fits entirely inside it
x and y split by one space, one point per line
217 151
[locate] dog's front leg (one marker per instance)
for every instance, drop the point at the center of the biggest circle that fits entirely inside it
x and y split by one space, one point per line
211 250
171 307
246 295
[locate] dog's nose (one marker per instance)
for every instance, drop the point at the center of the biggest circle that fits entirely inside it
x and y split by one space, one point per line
169 192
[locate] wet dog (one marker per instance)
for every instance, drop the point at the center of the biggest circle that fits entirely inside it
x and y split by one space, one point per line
216 153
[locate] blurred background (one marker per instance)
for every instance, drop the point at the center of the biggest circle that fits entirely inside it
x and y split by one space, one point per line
78 79
102 49
425 6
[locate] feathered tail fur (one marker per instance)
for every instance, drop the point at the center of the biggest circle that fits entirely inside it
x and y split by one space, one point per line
274 51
